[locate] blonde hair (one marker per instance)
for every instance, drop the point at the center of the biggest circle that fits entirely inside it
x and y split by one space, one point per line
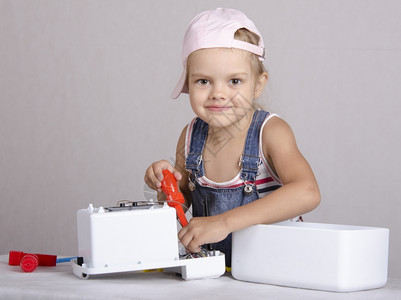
257 66
245 35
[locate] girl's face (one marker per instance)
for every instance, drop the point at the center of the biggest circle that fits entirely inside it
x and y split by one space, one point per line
222 85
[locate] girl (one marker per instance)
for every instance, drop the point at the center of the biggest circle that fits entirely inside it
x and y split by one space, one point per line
237 165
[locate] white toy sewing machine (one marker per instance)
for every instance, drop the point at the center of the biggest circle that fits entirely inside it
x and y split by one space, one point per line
134 237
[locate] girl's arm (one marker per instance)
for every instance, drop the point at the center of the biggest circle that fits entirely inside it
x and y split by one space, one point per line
298 195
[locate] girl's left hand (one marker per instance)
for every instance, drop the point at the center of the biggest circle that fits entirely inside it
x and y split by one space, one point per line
201 231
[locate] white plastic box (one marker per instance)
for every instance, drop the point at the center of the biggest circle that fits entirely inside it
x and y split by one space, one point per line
328 257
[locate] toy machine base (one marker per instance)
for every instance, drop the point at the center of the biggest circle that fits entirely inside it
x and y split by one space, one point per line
212 266
136 236
328 257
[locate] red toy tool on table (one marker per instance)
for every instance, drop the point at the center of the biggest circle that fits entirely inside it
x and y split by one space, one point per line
174 196
29 261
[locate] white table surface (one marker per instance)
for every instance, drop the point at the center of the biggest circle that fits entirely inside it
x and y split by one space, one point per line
60 283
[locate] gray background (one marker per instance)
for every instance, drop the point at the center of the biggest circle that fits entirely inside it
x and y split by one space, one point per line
85 108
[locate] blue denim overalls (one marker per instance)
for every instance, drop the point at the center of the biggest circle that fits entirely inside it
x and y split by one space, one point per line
209 201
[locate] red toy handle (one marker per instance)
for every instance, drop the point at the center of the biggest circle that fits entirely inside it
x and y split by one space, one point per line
29 261
174 196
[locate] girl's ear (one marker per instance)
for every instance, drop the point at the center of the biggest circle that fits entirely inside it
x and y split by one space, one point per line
260 83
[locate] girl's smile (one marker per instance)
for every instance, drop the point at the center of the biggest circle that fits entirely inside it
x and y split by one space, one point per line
216 108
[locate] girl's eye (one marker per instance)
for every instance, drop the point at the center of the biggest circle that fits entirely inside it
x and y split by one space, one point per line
235 81
203 81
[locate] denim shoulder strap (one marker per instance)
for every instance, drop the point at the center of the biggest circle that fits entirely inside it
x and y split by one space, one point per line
193 161
250 159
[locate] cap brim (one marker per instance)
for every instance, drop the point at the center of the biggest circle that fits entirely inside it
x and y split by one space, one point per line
180 87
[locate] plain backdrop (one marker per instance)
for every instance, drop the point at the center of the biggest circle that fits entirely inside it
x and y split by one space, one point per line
85 106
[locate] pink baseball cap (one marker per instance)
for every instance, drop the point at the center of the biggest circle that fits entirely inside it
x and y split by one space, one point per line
216 29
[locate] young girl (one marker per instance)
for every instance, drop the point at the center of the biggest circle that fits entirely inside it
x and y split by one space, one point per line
237 165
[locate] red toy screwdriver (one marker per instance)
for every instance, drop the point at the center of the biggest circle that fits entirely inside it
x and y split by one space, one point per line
174 196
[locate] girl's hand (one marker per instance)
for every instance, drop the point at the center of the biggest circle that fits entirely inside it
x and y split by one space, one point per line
203 230
154 175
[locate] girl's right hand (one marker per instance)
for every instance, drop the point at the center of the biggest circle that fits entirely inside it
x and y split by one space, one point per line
154 175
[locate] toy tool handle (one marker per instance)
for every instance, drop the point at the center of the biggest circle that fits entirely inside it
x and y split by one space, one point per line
174 196
170 187
15 257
